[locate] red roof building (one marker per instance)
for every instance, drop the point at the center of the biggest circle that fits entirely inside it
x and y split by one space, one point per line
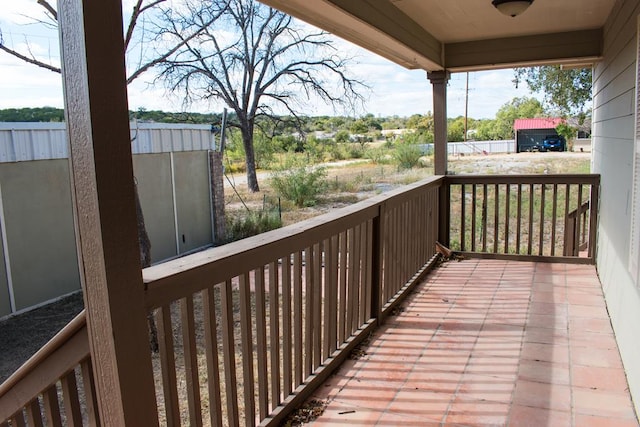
538 123
530 133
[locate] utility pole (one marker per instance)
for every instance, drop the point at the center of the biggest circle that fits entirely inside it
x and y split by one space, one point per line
466 108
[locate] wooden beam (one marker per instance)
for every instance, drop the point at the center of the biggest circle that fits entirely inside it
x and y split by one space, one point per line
575 47
388 19
96 111
439 81
375 25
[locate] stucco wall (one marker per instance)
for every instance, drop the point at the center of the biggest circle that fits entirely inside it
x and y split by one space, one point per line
613 144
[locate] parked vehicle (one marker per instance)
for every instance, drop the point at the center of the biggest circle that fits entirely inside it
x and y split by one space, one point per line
553 143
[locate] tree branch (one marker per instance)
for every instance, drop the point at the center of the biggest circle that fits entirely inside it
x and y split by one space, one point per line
32 60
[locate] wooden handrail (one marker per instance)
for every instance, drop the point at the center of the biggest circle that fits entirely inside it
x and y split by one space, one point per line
183 276
55 359
77 324
589 179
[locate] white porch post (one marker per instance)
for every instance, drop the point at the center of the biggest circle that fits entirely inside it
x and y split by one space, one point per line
439 81
104 207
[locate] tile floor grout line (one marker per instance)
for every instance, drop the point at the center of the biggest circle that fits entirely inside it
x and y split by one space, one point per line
530 285
424 349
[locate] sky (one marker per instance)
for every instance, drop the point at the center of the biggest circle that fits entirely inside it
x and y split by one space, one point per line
394 89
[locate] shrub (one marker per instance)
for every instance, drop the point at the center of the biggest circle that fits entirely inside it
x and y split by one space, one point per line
253 223
407 155
301 185
377 155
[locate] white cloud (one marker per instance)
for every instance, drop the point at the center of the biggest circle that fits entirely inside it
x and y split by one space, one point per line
394 89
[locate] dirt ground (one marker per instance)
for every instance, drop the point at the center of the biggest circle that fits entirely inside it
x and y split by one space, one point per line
22 335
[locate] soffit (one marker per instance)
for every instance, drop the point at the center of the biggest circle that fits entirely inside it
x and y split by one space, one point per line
434 34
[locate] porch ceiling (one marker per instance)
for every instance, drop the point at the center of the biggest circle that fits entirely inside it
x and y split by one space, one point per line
462 35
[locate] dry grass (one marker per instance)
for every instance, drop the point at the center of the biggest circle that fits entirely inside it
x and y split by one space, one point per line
350 183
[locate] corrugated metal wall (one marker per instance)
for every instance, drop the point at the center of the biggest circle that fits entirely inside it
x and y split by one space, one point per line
21 142
38 260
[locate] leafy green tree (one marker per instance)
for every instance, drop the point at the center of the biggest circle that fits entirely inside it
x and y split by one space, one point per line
44 114
486 130
359 127
517 108
342 136
567 90
455 129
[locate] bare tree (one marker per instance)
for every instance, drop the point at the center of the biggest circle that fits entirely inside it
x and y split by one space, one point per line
143 48
255 59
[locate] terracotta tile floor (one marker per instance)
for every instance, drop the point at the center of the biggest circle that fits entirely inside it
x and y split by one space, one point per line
489 343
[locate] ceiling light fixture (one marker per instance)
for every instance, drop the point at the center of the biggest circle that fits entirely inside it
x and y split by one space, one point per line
512 8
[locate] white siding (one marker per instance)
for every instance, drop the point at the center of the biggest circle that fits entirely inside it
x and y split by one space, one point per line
614 116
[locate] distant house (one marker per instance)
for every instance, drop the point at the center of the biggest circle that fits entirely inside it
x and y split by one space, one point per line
530 133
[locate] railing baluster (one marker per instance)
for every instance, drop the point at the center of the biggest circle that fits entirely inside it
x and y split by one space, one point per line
297 317
354 267
576 237
329 309
568 240
554 212
308 312
90 398
530 233
274 323
18 420
519 218
211 349
463 214
474 194
71 399
229 353
365 305
542 209
261 344
34 417
168 365
317 306
333 294
496 218
593 219
51 406
191 361
342 311
287 367
350 279
484 218
507 216
403 237
246 330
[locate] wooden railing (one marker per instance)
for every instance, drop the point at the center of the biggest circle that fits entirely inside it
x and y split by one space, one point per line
55 387
537 216
576 235
248 330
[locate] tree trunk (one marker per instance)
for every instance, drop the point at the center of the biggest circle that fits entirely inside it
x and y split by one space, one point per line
250 160
145 261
